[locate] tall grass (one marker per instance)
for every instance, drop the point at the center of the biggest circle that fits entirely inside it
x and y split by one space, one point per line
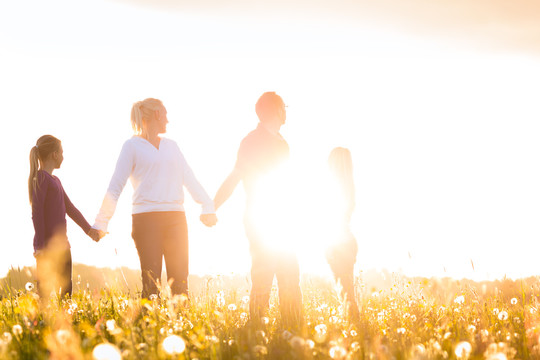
411 319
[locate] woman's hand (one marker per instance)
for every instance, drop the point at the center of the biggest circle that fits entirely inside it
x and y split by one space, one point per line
209 219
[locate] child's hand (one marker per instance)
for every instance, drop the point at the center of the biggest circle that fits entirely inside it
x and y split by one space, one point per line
96 234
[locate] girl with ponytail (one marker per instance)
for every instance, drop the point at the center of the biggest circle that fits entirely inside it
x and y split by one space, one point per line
50 204
158 172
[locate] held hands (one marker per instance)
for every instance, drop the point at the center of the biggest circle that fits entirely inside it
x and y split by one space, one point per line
209 219
96 234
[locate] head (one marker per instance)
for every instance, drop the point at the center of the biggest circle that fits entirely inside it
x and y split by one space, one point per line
47 149
149 114
271 108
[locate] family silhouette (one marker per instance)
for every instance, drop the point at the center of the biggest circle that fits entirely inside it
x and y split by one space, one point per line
158 172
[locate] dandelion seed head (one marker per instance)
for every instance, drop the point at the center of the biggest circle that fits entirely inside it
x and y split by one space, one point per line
355 346
503 315
413 318
265 320
232 307
459 300
513 301
17 329
29 286
297 342
471 328
497 356
173 345
310 343
401 330
62 336
153 297
463 350
7 337
337 352
495 311
260 350
286 335
353 333
245 299
106 352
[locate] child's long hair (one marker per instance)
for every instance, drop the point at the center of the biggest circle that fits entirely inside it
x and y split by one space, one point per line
341 166
46 145
144 109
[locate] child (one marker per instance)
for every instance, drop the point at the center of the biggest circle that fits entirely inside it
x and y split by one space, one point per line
341 255
50 204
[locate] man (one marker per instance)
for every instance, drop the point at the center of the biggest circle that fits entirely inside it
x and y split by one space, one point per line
262 153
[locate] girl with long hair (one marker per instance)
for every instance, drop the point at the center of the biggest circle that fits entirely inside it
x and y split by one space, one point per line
158 172
50 204
341 255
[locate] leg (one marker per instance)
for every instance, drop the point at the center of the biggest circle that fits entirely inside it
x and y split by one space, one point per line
147 234
290 295
65 267
262 276
176 251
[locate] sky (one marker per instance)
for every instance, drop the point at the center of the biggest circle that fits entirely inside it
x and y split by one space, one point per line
438 103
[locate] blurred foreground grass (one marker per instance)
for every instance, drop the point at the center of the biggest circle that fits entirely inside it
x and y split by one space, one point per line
401 319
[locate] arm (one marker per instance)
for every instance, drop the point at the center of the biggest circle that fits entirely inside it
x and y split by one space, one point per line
38 213
123 169
196 190
75 214
227 188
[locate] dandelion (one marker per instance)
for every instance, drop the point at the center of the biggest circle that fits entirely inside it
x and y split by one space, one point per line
310 344
297 342
337 352
513 301
29 286
62 336
413 318
463 350
245 299
353 333
153 297
503 315
471 328
265 320
401 330
286 335
7 337
320 333
17 330
220 299
495 311
173 345
260 350
232 307
355 346
106 352
496 356
459 300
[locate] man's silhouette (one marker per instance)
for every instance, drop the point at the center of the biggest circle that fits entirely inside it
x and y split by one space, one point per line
260 156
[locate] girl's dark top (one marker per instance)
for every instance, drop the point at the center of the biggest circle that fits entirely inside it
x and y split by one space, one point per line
50 204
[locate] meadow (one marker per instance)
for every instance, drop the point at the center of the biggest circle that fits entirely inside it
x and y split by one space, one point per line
400 318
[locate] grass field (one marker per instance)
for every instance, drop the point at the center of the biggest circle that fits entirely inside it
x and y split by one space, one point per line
408 319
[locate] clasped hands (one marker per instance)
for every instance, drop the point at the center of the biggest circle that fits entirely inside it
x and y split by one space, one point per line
209 219
96 234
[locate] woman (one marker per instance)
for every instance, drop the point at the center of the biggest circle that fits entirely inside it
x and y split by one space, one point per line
50 204
158 171
341 255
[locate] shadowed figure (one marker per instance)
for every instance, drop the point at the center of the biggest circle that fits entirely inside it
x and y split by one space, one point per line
261 156
158 172
341 254
50 204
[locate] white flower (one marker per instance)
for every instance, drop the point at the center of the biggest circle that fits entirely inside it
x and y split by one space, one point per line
174 345
29 286
17 330
106 352
232 307
514 301
463 350
459 300
503 315
337 352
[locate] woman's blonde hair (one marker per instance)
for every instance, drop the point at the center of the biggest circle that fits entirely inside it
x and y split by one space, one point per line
340 163
46 145
144 110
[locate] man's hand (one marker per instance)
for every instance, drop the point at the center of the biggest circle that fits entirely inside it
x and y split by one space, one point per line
209 219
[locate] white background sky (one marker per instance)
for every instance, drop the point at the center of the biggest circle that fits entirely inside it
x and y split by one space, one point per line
439 108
